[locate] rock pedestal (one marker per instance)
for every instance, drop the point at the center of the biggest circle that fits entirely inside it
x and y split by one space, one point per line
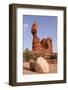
36 41
45 45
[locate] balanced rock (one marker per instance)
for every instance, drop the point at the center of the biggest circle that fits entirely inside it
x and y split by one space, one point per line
40 65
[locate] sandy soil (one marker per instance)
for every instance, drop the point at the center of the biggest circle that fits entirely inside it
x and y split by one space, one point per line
26 67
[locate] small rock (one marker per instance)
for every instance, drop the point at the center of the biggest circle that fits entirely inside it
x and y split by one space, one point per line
32 64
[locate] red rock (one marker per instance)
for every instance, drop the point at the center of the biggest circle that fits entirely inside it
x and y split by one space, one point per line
45 45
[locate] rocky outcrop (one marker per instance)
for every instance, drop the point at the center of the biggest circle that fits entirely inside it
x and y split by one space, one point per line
45 45
36 40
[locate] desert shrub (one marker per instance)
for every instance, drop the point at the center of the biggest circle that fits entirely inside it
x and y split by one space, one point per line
27 55
54 56
35 56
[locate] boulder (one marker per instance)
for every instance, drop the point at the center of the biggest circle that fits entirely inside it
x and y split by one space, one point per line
40 65
32 65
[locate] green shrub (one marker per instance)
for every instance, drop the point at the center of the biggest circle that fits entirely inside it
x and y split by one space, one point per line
26 55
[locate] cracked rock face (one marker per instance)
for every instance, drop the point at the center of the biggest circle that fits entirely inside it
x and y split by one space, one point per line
40 65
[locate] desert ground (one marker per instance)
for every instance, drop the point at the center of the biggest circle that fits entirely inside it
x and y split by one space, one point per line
26 68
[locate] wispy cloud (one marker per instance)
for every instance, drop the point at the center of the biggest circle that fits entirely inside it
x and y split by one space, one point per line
26 25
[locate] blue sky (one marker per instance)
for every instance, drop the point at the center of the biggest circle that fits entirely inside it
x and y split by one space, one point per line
47 28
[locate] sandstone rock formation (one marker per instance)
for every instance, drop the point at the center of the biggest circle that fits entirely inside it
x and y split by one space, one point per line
49 45
36 41
45 45
40 65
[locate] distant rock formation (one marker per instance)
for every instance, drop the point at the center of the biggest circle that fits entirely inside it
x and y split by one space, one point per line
45 45
40 65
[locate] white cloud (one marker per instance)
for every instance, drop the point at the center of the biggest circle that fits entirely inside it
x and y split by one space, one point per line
26 25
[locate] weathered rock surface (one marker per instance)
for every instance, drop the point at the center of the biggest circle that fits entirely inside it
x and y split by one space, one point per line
45 45
32 64
40 65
